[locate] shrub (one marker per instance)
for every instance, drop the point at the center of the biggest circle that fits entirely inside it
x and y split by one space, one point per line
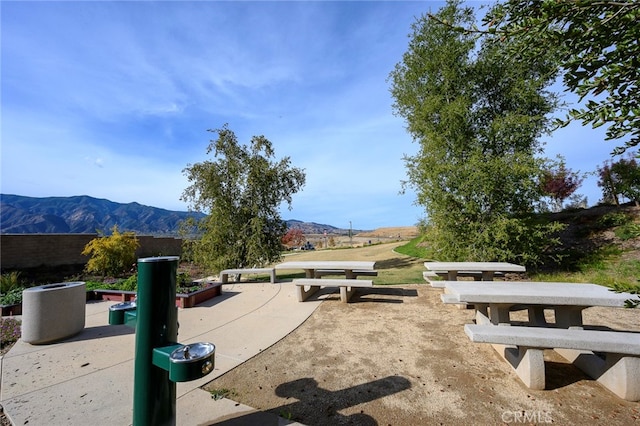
184 284
130 284
112 255
9 281
628 288
183 279
12 297
612 219
628 231
98 285
10 331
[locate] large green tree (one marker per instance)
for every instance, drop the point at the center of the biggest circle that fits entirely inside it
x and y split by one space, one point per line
597 51
241 193
477 116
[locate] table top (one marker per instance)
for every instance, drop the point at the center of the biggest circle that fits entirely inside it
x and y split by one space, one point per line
474 266
328 264
535 293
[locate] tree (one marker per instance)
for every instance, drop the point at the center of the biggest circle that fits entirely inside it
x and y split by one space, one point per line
476 114
596 43
241 192
559 183
610 192
112 255
294 237
620 178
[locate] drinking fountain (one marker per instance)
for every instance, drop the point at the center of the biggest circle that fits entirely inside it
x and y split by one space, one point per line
159 361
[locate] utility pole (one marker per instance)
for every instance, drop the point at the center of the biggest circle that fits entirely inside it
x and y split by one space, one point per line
350 235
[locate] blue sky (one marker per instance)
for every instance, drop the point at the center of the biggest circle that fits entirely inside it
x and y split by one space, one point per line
114 99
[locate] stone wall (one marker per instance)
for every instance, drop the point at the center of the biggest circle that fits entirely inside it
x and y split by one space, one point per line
18 251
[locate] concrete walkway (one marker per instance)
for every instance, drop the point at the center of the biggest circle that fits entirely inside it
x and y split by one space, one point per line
88 379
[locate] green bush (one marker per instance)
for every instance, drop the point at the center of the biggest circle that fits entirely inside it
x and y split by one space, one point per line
98 285
184 284
612 219
12 297
528 240
628 288
130 284
112 255
9 281
628 231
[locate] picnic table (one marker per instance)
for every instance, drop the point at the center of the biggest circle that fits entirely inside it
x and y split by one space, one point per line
522 343
567 300
315 269
484 270
350 268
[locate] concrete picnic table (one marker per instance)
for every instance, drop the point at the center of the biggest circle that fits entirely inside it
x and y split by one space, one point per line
486 269
311 266
619 371
568 300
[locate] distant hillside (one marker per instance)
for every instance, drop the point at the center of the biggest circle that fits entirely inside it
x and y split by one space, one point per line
87 215
83 215
312 228
404 232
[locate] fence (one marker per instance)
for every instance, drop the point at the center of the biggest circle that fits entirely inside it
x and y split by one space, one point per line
18 251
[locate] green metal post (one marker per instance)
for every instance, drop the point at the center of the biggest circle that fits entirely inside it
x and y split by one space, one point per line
154 395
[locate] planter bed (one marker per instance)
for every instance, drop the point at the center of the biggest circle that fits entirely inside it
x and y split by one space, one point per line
189 300
11 310
183 300
113 295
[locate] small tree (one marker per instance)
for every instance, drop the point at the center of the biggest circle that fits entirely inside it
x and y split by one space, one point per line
620 178
293 237
241 192
111 255
559 183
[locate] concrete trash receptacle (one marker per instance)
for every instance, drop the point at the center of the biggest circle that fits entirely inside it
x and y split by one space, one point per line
53 312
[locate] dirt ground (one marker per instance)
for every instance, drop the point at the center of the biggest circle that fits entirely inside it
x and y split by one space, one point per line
398 356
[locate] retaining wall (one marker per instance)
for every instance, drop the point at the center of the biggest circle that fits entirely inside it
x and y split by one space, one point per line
19 251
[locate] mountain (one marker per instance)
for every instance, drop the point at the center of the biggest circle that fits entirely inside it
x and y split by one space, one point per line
317 228
84 215
87 215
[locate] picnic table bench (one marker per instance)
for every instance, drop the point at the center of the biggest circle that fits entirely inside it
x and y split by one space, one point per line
224 275
432 277
619 371
319 273
523 346
347 287
314 270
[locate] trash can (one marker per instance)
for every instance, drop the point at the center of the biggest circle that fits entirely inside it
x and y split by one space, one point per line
53 312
